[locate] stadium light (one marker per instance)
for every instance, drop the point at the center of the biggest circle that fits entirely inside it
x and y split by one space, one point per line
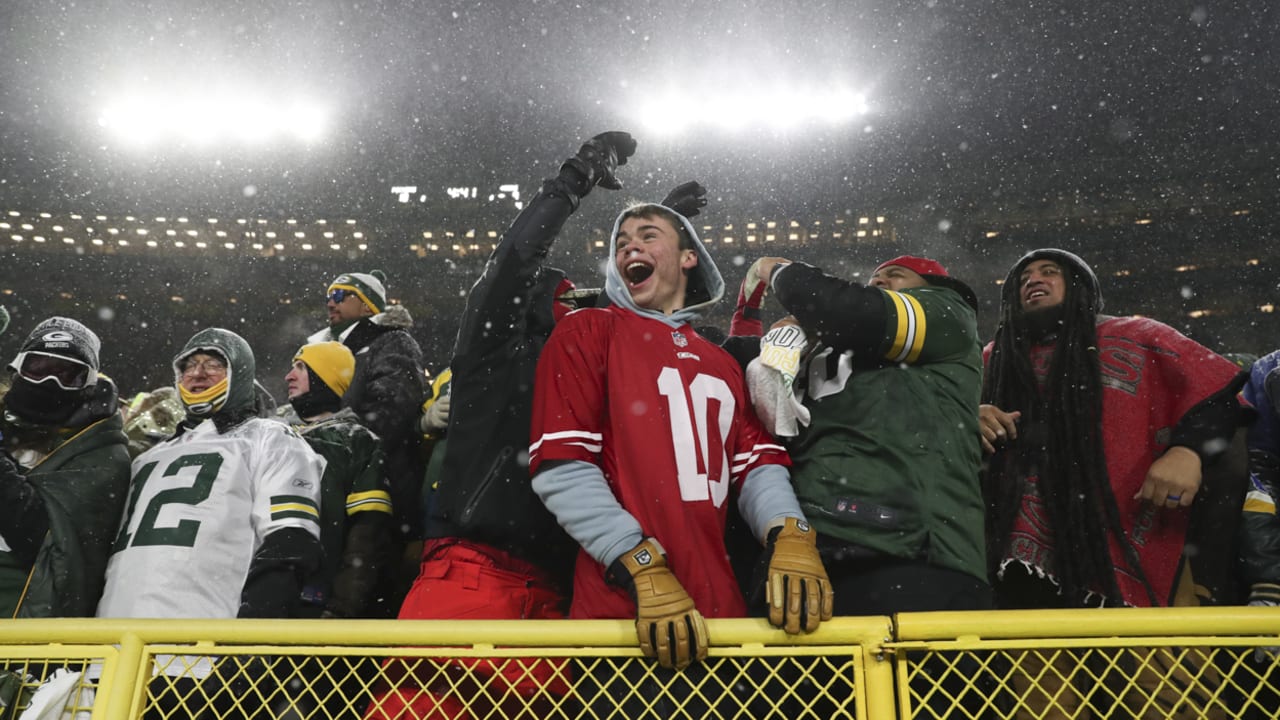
781 108
207 120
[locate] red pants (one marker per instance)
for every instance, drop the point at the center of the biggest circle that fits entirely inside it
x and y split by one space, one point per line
462 580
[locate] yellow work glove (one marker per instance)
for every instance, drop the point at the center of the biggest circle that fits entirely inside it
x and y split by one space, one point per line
668 625
798 590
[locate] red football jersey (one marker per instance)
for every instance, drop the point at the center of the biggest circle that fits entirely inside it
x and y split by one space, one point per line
665 414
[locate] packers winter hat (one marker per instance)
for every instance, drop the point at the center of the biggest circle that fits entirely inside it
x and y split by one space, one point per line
369 287
55 368
933 273
66 338
331 362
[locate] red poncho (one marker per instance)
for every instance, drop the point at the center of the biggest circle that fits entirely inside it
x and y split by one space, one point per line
1151 376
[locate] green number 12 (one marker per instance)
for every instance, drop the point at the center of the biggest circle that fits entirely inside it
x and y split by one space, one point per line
184 533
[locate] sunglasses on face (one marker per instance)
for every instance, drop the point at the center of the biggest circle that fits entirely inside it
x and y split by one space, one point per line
337 296
66 373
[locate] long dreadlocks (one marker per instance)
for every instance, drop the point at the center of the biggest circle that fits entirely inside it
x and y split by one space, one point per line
1060 435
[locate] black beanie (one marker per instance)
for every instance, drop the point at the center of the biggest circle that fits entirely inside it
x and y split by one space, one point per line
1072 262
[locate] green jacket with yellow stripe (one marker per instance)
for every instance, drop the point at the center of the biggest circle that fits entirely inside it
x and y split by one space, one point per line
890 459
356 526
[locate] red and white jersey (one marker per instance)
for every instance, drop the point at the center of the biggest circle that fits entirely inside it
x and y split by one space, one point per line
199 508
665 414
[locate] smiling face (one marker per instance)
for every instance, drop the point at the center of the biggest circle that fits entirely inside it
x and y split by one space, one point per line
1041 285
651 263
896 277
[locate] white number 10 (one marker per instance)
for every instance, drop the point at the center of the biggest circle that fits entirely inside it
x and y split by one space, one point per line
693 444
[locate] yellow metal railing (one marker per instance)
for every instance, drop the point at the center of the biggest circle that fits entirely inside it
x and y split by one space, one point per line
1161 663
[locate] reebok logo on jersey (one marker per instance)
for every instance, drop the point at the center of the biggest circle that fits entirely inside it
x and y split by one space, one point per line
301 483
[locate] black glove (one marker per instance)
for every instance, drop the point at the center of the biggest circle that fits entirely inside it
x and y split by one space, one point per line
599 157
687 198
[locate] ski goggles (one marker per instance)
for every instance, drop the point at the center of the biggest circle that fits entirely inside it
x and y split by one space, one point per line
41 367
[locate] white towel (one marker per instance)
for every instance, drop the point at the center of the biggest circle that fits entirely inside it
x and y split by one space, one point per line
771 381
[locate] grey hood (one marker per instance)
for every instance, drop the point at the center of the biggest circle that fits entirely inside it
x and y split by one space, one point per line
706 285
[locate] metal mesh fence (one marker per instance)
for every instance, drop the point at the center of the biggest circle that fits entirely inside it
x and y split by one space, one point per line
1041 665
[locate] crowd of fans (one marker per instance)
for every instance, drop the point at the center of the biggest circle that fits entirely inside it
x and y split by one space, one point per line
576 454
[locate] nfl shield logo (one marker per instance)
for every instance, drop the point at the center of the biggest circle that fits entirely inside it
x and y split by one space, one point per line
679 339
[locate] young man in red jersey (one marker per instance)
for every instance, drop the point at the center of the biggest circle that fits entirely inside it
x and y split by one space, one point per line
641 432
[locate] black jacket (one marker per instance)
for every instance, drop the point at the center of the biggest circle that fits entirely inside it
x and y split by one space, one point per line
386 394
485 493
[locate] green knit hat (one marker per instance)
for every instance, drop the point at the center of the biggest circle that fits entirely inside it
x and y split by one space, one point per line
369 287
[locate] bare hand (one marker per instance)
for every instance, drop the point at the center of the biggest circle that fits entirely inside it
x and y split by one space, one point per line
1173 479
765 266
996 426
785 322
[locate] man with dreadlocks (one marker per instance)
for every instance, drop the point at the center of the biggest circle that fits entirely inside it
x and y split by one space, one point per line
1099 428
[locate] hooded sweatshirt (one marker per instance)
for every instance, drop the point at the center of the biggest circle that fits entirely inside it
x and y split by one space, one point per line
641 428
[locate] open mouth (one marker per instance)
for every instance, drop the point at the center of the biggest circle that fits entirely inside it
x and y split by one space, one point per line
637 272
1036 294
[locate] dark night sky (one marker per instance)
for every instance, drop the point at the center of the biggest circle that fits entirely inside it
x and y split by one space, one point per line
974 106
966 98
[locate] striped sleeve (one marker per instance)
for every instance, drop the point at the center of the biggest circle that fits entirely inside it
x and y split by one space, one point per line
907 329
288 482
369 501
294 506
569 393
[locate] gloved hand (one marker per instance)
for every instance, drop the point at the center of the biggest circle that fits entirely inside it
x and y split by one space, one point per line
798 591
436 419
668 625
599 157
687 198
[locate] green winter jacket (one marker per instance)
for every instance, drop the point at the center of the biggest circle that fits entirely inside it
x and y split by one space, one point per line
356 527
890 461
81 486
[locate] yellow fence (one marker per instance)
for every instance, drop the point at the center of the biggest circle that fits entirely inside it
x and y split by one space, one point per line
1124 663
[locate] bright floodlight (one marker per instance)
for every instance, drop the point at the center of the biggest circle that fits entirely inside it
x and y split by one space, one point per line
781 108
214 118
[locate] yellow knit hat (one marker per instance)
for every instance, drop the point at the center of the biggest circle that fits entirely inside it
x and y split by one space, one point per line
332 362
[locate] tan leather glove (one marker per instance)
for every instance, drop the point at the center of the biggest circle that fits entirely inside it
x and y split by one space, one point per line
668 625
798 590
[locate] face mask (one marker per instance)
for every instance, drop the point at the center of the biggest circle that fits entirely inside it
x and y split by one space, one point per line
41 403
207 402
